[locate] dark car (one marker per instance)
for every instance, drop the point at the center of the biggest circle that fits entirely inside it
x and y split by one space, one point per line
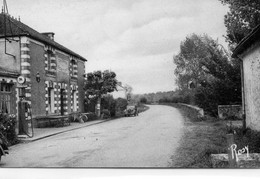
131 110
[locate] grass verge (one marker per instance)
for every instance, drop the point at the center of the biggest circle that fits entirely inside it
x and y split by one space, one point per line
201 138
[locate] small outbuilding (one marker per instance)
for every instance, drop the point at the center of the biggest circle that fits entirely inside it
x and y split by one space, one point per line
248 51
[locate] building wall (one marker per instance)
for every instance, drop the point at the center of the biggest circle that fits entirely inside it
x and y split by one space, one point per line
81 72
60 81
30 59
6 61
251 63
37 88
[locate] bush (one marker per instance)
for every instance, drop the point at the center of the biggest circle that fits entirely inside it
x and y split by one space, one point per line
91 116
143 100
121 104
106 114
74 117
248 138
7 127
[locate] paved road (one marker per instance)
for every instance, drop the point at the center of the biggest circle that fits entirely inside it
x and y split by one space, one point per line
148 140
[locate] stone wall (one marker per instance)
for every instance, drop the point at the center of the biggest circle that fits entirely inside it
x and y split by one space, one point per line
225 111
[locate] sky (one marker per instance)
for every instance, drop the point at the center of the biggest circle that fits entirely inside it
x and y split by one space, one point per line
136 39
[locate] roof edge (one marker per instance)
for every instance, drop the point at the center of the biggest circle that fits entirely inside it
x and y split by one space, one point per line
247 41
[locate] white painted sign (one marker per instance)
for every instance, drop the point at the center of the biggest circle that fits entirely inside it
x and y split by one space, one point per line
62 65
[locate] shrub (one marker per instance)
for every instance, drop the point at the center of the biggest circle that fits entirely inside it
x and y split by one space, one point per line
106 114
74 117
91 116
248 138
121 104
7 127
143 100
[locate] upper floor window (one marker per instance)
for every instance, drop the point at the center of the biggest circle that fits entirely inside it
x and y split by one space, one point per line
49 59
74 69
50 62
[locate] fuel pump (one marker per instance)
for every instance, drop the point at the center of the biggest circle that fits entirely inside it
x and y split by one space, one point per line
24 109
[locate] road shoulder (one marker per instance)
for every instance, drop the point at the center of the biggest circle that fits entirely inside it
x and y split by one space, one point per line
200 139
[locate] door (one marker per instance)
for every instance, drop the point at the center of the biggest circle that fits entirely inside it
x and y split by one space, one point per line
62 101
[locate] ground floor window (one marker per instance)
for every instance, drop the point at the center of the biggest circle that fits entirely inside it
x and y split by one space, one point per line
5 97
51 100
74 96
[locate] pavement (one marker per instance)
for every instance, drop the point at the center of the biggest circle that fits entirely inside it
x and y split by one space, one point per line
41 133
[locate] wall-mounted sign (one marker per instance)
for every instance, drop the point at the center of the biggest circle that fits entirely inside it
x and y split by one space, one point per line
21 80
62 65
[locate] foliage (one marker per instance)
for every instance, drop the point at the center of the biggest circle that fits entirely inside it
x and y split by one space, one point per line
248 138
204 62
201 59
143 100
242 17
106 114
99 83
121 104
91 116
155 97
201 138
7 127
109 103
90 105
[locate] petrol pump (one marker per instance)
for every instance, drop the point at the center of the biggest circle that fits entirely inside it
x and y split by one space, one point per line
24 113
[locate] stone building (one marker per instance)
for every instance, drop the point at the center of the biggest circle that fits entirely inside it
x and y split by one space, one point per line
28 53
248 51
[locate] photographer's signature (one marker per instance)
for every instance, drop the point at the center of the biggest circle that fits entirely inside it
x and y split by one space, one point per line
237 152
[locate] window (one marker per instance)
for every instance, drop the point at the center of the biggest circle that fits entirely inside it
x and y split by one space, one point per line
49 59
51 62
5 87
74 96
51 100
74 70
5 97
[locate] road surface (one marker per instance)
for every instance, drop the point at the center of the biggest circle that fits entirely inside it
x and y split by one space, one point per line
148 140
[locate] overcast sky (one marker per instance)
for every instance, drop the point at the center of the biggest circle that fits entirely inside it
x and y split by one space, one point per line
135 38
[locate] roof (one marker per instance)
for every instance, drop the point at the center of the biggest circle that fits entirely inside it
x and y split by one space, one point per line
8 73
247 41
16 28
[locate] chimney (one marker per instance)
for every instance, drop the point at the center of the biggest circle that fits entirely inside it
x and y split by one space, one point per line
49 34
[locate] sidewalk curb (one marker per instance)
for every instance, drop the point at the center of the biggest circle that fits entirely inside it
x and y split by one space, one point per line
60 132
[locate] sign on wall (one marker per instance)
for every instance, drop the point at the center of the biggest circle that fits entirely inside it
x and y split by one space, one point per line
62 69
62 65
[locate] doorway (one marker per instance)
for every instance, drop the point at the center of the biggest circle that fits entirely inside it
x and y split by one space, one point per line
62 101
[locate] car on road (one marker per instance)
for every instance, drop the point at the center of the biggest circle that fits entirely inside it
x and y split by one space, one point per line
131 110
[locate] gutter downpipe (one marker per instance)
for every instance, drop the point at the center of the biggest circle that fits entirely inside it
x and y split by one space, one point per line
243 92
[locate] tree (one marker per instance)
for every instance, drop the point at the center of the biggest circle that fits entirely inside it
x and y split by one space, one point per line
243 16
204 62
98 84
143 100
201 59
121 104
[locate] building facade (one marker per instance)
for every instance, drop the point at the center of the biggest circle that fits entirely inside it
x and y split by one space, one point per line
54 74
248 51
